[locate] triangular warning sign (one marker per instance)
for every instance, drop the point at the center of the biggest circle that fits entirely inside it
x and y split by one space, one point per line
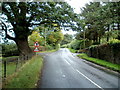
36 49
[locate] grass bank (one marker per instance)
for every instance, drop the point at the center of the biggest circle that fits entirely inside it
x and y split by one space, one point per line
28 75
72 50
10 65
109 65
10 68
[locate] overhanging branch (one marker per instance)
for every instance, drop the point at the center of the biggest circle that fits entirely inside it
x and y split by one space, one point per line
4 27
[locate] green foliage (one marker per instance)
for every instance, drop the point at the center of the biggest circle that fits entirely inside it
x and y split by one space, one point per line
64 46
67 39
75 44
55 38
49 47
9 50
100 62
22 16
113 41
35 36
58 12
99 24
28 75
79 44
93 46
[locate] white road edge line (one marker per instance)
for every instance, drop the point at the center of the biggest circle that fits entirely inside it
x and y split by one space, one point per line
67 62
89 80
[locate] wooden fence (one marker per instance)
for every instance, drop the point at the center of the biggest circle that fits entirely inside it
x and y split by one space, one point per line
9 67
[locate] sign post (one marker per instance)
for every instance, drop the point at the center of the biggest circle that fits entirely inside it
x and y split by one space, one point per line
36 45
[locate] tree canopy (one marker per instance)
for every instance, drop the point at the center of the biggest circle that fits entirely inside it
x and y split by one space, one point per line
100 18
22 17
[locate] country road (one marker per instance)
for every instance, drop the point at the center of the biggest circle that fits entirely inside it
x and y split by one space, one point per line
64 70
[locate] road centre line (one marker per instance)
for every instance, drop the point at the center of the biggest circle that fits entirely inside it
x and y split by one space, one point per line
89 80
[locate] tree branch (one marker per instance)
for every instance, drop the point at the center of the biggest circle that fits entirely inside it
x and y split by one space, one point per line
14 8
8 14
4 27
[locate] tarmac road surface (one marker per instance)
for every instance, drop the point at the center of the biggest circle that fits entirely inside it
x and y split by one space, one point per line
64 70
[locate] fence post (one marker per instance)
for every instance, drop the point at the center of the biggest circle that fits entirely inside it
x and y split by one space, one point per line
26 57
5 69
17 64
22 59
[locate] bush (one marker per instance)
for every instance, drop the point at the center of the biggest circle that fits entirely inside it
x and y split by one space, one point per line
49 47
79 44
75 44
9 50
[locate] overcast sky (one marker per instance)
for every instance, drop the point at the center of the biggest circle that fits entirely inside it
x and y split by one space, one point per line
77 4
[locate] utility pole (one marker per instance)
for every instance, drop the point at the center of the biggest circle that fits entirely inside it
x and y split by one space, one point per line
84 35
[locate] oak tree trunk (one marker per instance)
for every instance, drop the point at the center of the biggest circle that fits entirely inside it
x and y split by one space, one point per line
23 47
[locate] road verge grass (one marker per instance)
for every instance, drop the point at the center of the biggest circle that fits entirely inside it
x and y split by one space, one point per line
109 65
28 75
72 50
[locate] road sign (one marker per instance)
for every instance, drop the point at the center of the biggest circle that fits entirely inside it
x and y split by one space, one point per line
36 44
36 49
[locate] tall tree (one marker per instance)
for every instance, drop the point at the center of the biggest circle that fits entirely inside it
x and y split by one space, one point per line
23 16
100 17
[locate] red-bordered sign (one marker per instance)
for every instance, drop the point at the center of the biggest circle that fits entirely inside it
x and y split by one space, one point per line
36 44
36 49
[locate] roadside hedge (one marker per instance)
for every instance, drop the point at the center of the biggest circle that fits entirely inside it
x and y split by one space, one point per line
109 52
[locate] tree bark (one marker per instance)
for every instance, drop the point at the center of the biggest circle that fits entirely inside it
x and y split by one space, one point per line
23 46
99 39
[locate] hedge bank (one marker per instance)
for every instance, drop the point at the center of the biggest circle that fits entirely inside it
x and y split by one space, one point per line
108 52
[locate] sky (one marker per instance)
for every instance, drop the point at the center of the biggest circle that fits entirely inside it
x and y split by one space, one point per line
76 4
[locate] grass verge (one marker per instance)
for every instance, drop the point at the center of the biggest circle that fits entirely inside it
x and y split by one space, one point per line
48 51
10 68
28 75
72 50
109 65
